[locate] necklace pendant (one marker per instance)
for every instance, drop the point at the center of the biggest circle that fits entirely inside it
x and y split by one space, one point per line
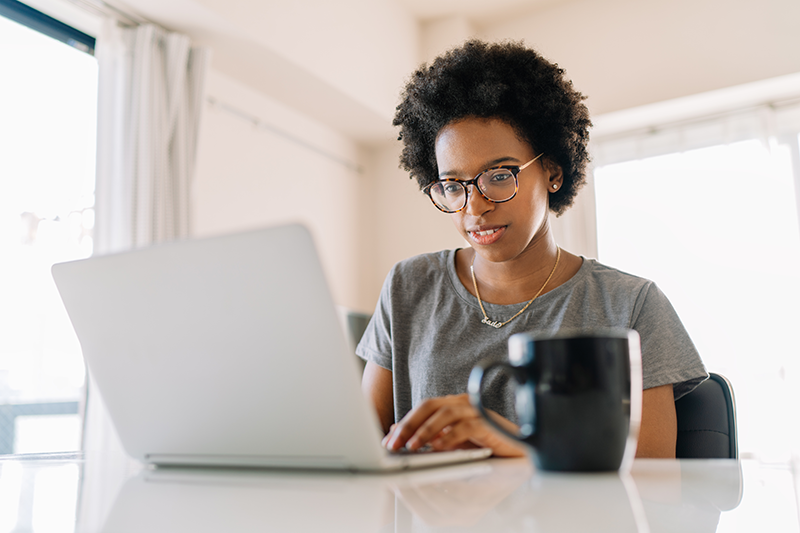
493 323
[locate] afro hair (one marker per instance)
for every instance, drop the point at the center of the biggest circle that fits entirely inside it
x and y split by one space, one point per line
499 80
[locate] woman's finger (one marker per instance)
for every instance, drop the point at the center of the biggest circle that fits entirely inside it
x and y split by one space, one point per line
441 421
416 418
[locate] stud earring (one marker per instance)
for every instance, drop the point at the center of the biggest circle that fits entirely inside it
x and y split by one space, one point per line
555 186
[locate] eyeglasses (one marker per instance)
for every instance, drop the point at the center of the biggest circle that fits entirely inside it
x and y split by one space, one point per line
497 185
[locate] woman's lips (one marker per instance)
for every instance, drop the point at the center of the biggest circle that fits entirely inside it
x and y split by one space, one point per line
488 235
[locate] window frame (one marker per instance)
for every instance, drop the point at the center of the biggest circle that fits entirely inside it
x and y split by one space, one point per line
47 25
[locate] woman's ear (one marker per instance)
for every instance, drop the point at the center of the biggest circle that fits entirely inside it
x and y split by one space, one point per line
555 174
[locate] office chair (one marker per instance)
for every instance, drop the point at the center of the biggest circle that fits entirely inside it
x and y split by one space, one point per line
356 325
707 421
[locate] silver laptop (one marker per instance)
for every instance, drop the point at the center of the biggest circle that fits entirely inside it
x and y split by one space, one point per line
227 351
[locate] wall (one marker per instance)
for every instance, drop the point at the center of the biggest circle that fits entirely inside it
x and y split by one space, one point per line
361 47
628 53
250 176
340 63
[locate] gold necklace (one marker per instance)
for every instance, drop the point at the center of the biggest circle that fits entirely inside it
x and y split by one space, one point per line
494 323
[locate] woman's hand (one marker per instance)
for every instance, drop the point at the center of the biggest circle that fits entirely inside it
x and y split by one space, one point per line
448 423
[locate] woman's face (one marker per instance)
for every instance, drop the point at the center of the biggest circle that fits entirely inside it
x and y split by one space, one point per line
498 232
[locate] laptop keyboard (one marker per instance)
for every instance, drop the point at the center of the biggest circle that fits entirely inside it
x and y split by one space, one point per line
405 451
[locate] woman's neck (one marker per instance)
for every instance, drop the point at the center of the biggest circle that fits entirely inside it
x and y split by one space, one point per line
519 279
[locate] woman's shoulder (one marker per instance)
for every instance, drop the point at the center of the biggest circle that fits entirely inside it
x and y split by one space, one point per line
604 285
423 264
418 277
609 277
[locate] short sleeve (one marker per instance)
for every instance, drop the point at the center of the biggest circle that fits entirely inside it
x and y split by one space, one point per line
376 343
668 353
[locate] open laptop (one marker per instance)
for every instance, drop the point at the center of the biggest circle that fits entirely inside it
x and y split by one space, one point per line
227 351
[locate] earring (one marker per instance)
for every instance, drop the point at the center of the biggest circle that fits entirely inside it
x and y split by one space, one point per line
555 186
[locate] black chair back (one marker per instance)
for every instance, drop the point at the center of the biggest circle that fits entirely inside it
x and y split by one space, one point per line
356 325
707 421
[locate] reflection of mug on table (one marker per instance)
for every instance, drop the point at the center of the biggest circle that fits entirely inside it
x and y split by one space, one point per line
578 397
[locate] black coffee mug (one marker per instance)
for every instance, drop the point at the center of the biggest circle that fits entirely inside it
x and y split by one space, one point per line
578 397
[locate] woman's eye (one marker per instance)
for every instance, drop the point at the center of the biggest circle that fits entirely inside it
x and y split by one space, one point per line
453 188
500 177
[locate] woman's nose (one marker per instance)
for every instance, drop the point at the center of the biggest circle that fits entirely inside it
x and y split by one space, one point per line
477 205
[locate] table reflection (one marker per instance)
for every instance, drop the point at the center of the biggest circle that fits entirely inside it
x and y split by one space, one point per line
110 495
509 496
242 501
463 496
493 495
687 496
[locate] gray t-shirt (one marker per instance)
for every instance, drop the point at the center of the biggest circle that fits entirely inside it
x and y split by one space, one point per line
427 329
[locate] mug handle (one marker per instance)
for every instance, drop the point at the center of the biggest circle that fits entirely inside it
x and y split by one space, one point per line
474 386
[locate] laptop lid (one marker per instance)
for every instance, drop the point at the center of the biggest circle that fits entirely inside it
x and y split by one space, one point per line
226 350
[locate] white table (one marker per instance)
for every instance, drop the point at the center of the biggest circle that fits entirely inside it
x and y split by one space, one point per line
99 492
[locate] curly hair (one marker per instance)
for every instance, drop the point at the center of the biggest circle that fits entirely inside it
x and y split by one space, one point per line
500 80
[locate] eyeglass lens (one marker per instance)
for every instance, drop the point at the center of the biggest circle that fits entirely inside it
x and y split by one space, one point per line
497 185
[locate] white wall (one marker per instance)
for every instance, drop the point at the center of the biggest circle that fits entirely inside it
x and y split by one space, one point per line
249 176
363 48
341 63
627 53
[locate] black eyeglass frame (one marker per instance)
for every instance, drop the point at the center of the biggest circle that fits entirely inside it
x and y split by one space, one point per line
514 169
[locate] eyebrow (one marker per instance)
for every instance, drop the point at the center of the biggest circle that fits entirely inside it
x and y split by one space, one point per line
491 164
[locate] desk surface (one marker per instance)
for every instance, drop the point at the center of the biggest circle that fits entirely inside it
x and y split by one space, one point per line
110 493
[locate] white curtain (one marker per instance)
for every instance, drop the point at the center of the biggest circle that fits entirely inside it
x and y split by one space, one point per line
150 98
150 101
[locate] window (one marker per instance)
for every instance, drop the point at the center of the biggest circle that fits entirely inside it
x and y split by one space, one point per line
48 104
716 225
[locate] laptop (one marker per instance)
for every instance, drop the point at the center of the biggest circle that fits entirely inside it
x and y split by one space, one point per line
227 351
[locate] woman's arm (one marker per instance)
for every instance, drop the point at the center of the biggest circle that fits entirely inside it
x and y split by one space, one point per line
376 383
659 430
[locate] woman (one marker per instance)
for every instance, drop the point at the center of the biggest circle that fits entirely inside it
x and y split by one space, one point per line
496 137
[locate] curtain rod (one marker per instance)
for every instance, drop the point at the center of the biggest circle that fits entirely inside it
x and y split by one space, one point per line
257 122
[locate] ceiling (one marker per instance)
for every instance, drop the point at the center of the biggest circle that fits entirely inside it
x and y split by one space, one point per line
477 11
